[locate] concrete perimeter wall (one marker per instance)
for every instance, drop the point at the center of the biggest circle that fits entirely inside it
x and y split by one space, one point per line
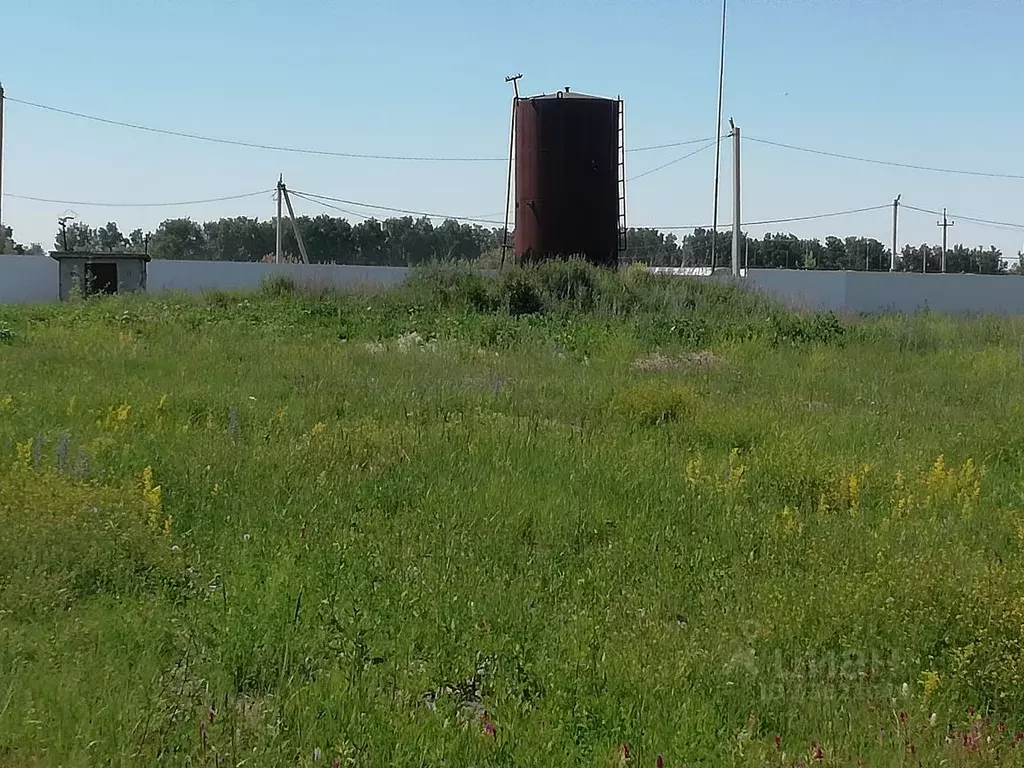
27 279
198 276
33 279
873 292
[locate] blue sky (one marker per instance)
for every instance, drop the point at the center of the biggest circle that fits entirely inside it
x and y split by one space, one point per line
927 82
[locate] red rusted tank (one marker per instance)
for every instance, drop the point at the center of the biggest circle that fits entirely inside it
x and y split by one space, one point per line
567 178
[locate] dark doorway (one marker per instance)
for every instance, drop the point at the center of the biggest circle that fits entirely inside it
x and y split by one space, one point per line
101 278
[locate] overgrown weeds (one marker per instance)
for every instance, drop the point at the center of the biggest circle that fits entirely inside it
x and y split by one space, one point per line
556 516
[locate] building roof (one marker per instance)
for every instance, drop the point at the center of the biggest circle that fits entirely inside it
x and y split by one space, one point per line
567 94
99 256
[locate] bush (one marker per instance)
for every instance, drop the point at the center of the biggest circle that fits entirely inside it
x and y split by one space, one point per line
277 285
800 329
569 282
454 286
67 539
520 293
655 402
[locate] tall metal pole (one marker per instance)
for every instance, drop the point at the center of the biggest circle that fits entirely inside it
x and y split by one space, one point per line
718 142
895 225
945 224
277 248
735 198
1 161
514 79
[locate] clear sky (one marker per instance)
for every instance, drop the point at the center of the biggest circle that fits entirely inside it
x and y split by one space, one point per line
930 82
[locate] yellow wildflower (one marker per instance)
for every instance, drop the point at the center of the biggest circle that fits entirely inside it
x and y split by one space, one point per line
694 470
853 490
736 468
152 495
24 453
788 522
930 681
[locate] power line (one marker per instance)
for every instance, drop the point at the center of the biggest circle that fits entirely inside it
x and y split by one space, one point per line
670 146
890 163
673 162
297 150
137 205
396 210
779 221
329 205
249 144
815 216
973 219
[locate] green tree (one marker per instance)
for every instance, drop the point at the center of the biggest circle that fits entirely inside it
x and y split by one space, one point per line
110 239
239 239
80 237
7 244
179 239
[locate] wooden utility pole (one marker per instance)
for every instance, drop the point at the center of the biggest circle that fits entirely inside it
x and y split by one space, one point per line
945 224
514 79
295 224
735 198
280 189
895 226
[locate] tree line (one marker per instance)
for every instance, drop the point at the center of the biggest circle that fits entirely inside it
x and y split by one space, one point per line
408 241
787 251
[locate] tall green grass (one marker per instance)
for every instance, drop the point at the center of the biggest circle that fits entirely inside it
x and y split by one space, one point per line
523 520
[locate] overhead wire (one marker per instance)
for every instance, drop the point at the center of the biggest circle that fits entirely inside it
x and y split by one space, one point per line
391 209
670 146
890 163
972 219
663 166
296 150
175 204
251 144
779 221
328 205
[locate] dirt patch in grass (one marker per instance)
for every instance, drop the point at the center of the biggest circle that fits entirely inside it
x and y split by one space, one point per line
660 362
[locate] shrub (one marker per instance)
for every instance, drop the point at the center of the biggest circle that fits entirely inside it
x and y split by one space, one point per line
799 329
520 293
453 285
66 539
277 285
571 282
655 402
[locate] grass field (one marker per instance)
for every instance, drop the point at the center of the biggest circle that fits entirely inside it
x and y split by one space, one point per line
565 519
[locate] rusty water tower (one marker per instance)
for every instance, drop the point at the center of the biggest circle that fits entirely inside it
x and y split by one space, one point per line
569 175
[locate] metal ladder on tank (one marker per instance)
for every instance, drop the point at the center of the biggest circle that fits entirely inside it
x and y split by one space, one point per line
622 237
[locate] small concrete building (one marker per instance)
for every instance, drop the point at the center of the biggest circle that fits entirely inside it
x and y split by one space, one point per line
87 274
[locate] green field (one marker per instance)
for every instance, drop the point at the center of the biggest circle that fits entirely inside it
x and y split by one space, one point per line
518 522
